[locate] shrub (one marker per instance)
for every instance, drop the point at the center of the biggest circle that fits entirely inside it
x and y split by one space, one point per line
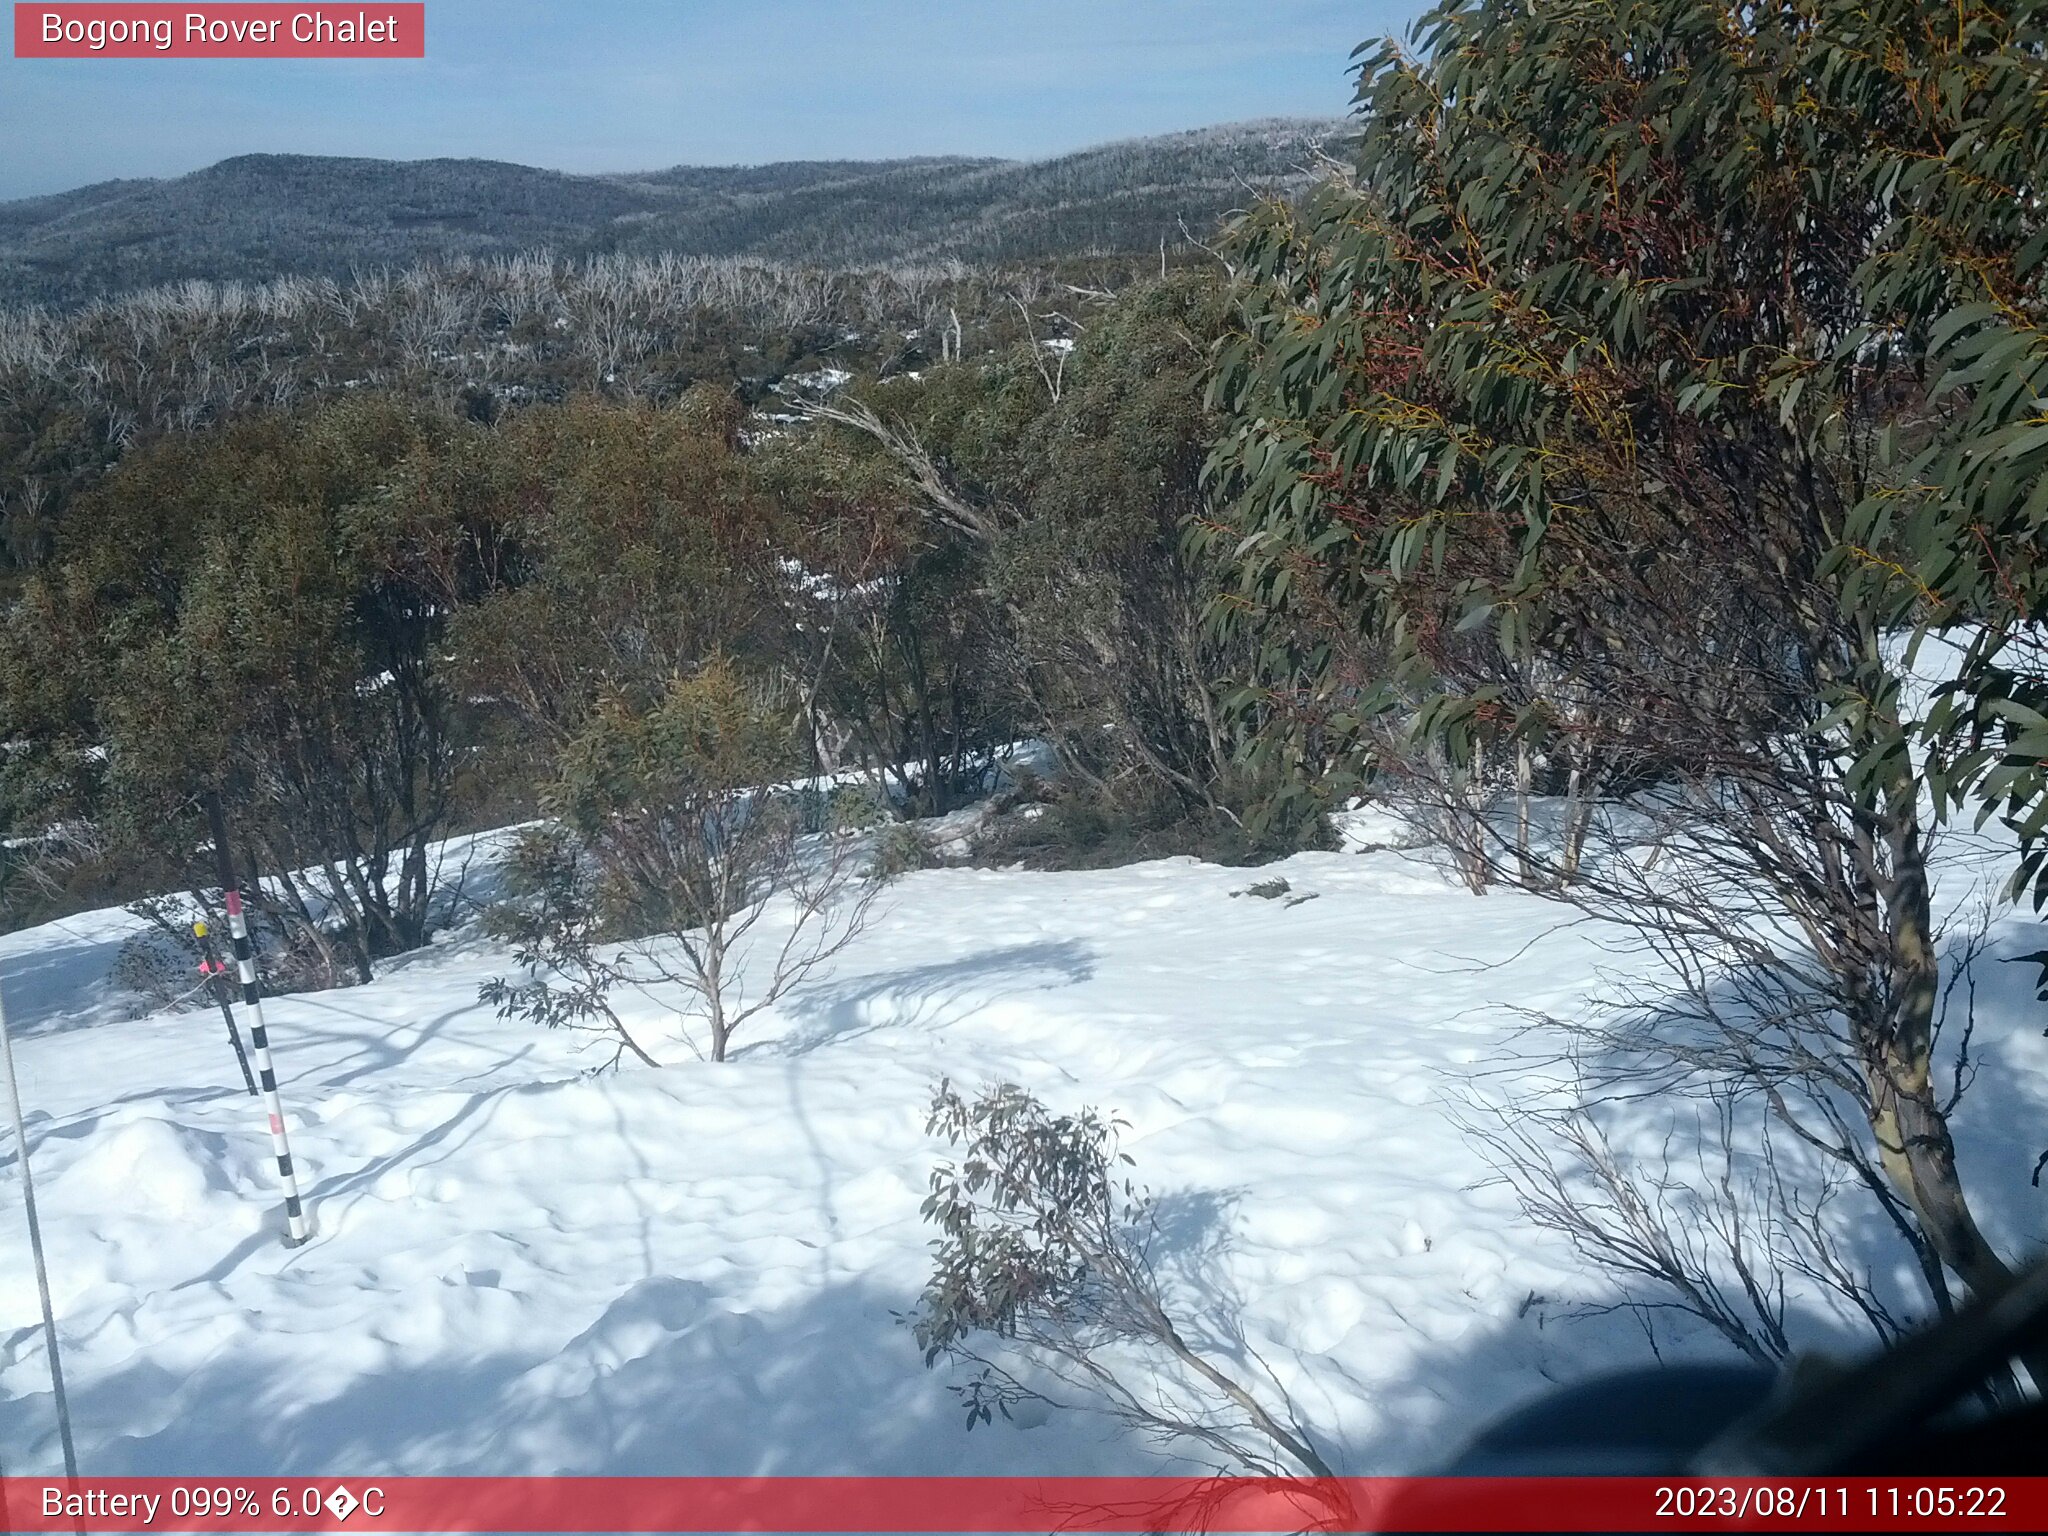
1044 1251
669 844
901 848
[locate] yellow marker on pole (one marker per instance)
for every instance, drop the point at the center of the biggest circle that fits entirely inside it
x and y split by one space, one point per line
216 972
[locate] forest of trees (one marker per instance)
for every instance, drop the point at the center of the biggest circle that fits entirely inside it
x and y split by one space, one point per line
1604 433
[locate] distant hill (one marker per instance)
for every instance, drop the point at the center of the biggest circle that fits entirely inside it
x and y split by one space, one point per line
259 216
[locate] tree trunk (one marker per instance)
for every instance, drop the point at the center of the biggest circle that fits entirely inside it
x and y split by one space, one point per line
1525 774
1580 792
1473 844
712 979
1914 1142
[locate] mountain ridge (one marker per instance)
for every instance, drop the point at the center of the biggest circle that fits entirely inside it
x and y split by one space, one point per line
257 216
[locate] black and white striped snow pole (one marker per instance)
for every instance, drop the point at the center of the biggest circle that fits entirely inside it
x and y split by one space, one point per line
259 1037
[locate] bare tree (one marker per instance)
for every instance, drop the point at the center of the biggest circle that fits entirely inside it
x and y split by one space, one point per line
773 904
946 501
1799 955
709 878
1712 1219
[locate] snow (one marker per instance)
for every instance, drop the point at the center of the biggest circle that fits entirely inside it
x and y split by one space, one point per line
518 1266
817 381
822 585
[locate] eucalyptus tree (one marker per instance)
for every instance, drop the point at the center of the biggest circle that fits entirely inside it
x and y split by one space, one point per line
261 613
1660 368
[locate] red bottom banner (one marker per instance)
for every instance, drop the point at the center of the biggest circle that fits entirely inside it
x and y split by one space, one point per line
1018 1504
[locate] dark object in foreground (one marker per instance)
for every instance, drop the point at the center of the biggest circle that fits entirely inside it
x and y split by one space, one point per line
1942 1402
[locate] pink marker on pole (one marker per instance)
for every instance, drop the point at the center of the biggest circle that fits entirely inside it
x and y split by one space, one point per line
259 1036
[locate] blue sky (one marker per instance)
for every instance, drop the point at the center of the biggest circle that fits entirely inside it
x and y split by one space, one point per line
590 85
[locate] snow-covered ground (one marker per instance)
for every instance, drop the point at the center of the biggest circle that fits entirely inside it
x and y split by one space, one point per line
519 1267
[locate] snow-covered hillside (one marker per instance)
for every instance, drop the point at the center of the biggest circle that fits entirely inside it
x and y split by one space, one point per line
519 1267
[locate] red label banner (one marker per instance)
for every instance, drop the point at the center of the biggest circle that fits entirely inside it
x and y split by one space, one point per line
1019 1504
233 31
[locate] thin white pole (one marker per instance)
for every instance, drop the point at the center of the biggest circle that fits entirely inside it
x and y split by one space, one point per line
35 1244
